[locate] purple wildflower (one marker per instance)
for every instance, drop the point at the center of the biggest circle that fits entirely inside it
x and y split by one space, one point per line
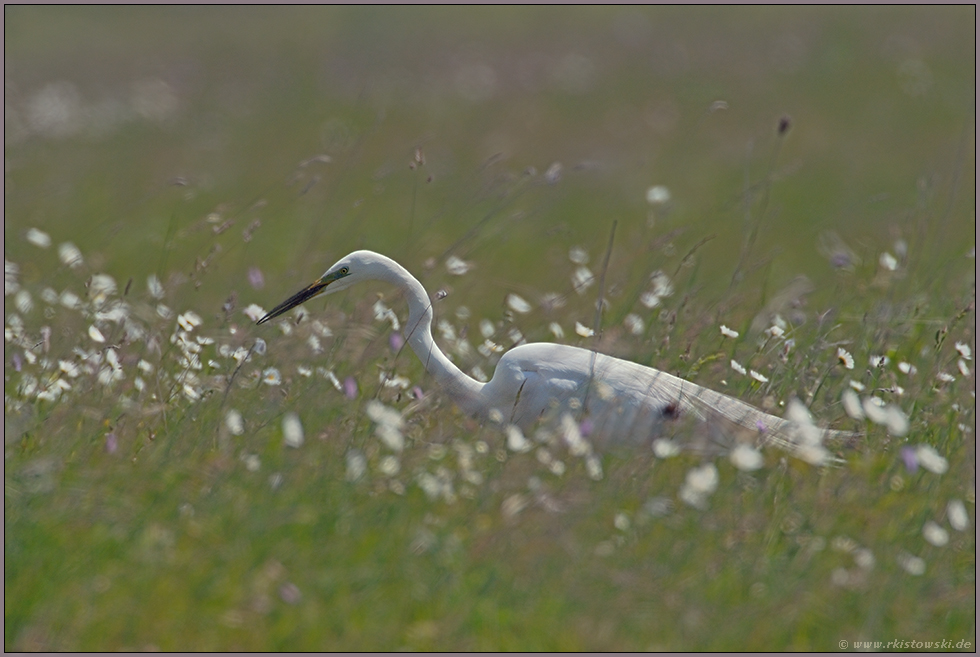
910 459
396 341
255 278
350 387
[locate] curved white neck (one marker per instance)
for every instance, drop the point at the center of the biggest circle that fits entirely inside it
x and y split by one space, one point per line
418 331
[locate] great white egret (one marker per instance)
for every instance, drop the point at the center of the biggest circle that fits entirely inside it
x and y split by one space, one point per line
624 402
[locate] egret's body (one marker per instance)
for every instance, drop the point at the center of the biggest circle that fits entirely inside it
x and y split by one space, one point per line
623 401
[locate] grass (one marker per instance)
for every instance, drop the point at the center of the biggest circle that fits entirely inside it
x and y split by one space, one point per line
135 517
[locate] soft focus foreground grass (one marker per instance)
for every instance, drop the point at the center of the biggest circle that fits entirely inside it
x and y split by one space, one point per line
136 519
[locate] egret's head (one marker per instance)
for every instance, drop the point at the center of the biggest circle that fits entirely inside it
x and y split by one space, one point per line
345 272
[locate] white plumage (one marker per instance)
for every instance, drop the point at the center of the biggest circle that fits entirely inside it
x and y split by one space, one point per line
624 402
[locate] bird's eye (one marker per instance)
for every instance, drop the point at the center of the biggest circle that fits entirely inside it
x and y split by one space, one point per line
344 270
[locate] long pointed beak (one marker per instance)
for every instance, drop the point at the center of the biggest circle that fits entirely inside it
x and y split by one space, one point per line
302 296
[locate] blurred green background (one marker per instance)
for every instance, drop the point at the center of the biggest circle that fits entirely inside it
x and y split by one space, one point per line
200 143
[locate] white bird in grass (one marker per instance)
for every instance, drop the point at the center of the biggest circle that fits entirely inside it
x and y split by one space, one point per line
626 403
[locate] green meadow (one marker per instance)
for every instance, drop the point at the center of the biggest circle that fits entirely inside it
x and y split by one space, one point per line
178 478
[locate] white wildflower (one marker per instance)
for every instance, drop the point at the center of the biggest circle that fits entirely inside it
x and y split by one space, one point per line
703 479
874 409
69 368
552 300
852 404
240 355
737 367
650 299
758 377
856 385
189 320
254 312
664 448
38 238
321 329
621 521
356 465
578 255
391 436
489 347
864 558
69 254
70 300
101 286
234 422
813 454
889 415
963 367
747 458
271 377
572 435
457 266
658 195
846 359
878 361
389 424
516 442
95 334
896 421
583 330
24 302
593 467
556 330
888 261
699 484
935 534
906 368
776 331
11 272
582 279
931 460
945 378
518 304
964 350
487 328
383 312
154 286
513 505
191 392
728 333
553 173
389 465
393 381
292 430
958 518
634 324
911 564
